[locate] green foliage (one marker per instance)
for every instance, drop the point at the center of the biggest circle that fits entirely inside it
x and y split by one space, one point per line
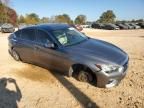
2 13
138 21
44 20
7 15
32 18
80 19
21 19
107 17
63 19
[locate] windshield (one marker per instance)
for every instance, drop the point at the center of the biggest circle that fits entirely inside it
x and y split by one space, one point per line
69 36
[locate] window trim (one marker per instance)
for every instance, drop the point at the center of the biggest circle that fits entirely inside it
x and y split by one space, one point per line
49 37
20 34
27 39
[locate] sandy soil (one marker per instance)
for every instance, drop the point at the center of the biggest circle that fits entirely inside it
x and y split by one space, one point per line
34 87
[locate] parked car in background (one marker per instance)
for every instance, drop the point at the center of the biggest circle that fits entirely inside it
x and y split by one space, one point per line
78 27
7 28
0 26
134 26
141 24
111 27
122 26
63 48
129 26
97 25
85 26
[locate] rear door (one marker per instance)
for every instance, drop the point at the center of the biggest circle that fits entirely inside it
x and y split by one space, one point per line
25 45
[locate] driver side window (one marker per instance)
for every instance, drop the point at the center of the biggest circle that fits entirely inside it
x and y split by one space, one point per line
42 37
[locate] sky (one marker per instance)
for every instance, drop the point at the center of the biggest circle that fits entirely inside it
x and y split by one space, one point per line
124 9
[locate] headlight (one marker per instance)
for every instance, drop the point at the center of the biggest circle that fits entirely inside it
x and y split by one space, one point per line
110 68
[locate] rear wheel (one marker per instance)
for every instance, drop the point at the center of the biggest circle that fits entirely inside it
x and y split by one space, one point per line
15 55
85 76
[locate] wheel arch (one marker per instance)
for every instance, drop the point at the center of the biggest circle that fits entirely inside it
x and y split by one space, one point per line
13 48
75 68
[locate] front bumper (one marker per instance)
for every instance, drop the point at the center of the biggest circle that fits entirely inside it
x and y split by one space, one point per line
110 80
105 80
7 30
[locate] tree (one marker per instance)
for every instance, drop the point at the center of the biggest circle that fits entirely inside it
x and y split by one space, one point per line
2 13
7 15
80 19
4 6
12 16
63 19
44 20
107 17
140 20
32 18
21 19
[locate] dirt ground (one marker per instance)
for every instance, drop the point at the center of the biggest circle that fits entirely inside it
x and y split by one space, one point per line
30 86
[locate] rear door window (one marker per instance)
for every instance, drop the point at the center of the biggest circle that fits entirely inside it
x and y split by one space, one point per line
42 37
28 34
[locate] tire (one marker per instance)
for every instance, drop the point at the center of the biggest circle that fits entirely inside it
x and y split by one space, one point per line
85 77
15 55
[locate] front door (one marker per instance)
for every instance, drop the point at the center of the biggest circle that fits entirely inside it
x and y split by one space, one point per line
47 57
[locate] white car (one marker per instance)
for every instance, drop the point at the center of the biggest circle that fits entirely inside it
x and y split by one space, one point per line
7 28
0 26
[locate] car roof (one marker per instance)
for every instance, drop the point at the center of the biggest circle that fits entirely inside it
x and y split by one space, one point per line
49 27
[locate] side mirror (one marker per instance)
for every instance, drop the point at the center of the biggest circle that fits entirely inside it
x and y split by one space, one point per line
49 45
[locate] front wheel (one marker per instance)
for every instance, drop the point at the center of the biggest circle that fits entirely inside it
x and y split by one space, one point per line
85 76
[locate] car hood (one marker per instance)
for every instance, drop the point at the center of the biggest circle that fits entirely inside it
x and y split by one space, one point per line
6 26
97 51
